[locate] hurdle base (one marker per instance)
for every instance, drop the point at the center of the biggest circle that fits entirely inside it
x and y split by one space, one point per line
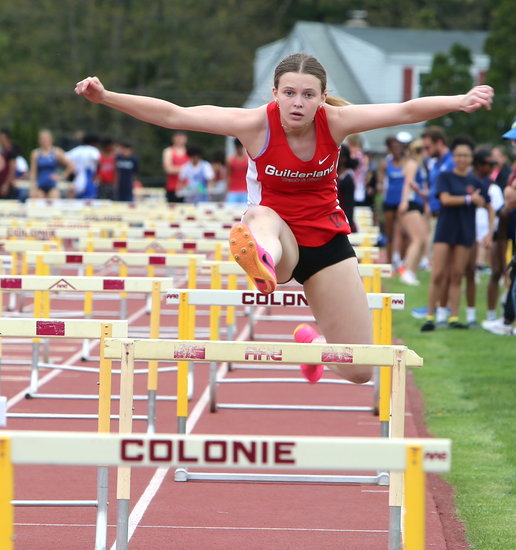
246 406
182 474
54 503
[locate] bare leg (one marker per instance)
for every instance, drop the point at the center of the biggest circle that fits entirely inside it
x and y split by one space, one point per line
415 226
339 303
441 252
471 284
497 260
276 237
460 256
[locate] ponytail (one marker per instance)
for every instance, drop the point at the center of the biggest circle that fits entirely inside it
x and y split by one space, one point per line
336 101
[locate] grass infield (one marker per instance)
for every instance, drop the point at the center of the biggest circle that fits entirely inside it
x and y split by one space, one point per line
468 383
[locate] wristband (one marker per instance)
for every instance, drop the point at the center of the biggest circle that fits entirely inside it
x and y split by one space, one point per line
467 199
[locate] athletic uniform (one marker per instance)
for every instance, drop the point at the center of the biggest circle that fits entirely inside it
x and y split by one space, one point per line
178 159
416 201
440 165
46 168
393 185
456 224
237 186
302 193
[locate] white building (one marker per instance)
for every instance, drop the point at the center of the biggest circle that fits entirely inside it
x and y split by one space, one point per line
367 64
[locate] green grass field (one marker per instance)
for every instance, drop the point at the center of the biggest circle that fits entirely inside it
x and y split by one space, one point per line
469 387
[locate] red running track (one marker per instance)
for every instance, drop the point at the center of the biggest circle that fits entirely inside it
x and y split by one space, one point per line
196 515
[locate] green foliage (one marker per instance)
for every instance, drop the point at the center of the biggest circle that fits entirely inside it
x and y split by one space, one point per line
451 74
501 46
468 382
188 51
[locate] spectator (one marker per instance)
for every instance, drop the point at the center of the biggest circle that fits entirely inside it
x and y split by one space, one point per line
361 197
85 158
391 178
346 170
483 164
218 191
506 232
237 175
502 168
7 166
196 177
173 159
126 168
411 209
459 193
106 171
45 161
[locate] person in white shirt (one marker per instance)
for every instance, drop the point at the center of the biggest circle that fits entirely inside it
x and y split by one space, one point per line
85 158
196 177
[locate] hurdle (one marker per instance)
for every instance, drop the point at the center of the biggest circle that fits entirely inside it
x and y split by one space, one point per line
382 303
76 329
120 261
398 358
412 457
53 328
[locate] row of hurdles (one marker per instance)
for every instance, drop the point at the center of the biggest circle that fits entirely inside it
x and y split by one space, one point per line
130 350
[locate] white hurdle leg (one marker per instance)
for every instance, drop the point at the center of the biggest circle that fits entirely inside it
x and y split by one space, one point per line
397 431
125 426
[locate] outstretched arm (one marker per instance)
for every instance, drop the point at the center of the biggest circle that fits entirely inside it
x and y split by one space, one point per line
360 118
203 118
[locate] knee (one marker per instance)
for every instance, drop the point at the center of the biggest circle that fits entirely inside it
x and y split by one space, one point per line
258 212
361 375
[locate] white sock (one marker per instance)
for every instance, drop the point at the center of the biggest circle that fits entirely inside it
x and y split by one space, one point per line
441 314
471 314
491 314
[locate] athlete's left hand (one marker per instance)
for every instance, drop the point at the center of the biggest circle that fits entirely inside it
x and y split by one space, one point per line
476 98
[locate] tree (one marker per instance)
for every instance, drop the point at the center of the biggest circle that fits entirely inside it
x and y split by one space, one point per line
451 74
500 46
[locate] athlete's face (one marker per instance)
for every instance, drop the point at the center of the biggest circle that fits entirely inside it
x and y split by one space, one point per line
299 96
463 157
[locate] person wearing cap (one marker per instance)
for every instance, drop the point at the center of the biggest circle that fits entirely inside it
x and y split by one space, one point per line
506 231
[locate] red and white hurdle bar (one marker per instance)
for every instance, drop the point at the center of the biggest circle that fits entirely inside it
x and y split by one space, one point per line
182 351
412 456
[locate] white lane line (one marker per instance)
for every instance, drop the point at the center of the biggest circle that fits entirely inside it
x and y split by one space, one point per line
214 528
160 474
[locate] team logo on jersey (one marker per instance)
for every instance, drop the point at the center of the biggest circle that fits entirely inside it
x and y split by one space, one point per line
271 170
336 220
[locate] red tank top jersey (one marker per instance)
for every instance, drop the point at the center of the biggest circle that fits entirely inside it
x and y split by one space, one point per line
238 171
177 160
106 171
303 193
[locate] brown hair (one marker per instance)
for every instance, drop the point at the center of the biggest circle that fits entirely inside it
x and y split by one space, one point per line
434 133
306 64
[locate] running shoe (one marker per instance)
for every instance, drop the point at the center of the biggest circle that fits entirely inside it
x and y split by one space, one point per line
457 324
409 278
305 334
252 258
498 327
419 312
428 326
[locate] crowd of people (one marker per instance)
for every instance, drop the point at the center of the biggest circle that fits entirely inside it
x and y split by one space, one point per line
92 168
444 206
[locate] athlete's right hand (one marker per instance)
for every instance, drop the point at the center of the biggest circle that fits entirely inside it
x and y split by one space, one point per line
91 88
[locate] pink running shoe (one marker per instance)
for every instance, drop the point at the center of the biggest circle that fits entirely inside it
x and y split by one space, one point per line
304 334
252 258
